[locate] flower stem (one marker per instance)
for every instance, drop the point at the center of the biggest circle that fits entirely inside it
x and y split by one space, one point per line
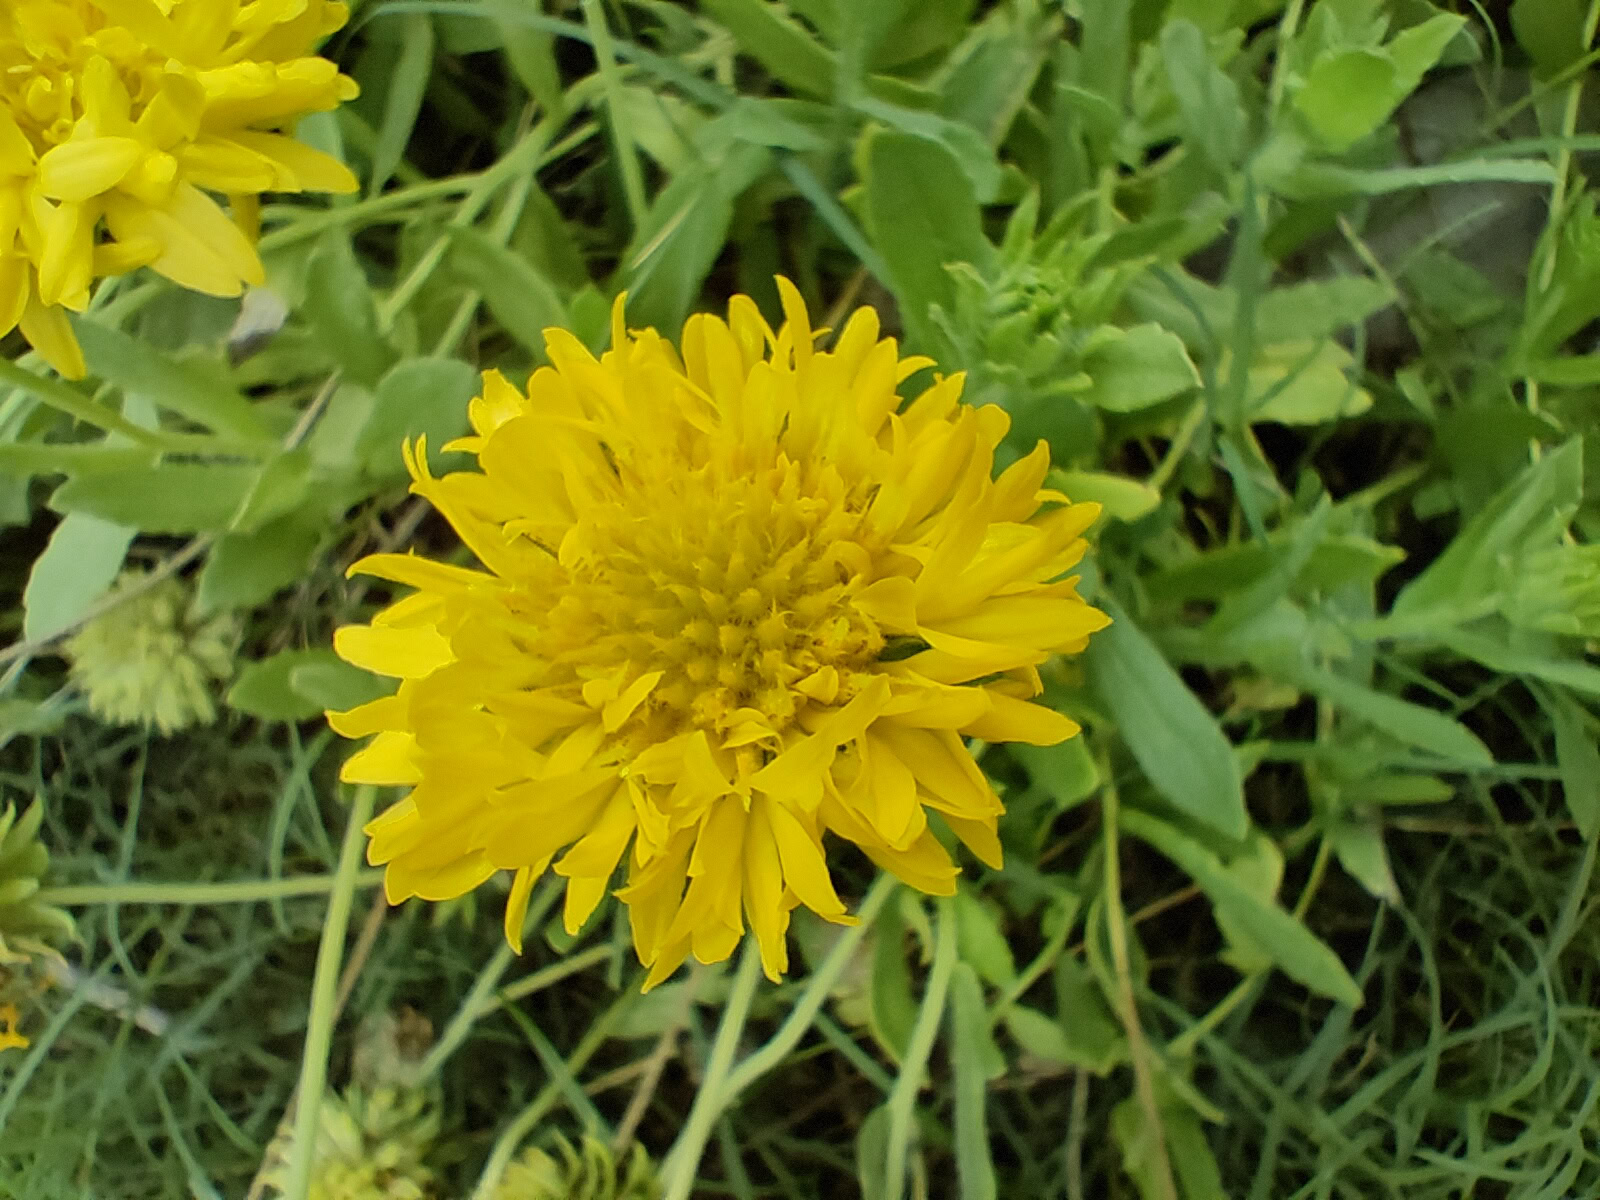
683 1160
324 990
242 891
903 1099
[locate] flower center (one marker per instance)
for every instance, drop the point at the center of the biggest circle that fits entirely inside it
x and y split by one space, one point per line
45 49
735 588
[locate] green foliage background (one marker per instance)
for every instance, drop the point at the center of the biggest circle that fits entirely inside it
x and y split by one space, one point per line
1304 293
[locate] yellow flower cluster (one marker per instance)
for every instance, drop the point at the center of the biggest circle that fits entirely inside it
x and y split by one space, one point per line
734 599
117 117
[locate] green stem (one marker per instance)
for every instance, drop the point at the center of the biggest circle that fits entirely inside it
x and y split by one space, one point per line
817 989
75 404
683 1160
478 1001
324 992
903 1100
243 891
506 1144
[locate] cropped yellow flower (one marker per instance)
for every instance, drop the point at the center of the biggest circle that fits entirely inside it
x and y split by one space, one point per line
733 600
118 116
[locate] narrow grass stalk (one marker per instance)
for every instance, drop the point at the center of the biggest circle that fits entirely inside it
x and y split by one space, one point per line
243 891
479 1000
903 1100
683 1160
324 990
611 80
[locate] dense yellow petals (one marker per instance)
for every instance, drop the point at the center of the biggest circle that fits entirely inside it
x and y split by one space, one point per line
115 114
732 604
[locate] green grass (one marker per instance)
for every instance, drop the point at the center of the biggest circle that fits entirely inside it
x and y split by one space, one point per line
1324 351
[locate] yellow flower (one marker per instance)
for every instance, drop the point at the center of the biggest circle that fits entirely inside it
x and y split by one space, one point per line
733 601
116 118
10 1039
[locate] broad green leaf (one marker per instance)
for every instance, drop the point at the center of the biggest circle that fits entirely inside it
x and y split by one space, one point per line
340 314
1041 1036
264 688
1257 867
872 1154
517 293
972 1055
424 397
1122 498
1424 728
331 683
1536 506
1577 758
1213 117
981 940
1295 950
987 78
282 485
77 566
921 212
1136 368
245 569
1094 1037
1347 95
1360 850
892 1007
1319 308
407 82
23 460
1304 383
138 367
966 146
1176 742
778 43
1066 770
1495 654
1550 31
1194 1167
172 498
531 53
665 267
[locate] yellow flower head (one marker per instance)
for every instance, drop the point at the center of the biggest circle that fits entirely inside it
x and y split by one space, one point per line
115 114
733 600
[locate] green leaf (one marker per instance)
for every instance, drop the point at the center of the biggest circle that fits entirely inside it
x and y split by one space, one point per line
244 569
1319 308
892 1009
1536 506
1323 181
264 688
1176 742
1213 117
1347 95
407 83
1303 383
424 397
1360 850
78 565
518 294
1413 724
1296 951
872 1155
965 144
23 460
531 53
339 312
972 1053
1095 1039
779 44
1122 498
281 485
139 368
1137 368
1550 31
981 940
683 234
172 498
921 212
1577 758
329 682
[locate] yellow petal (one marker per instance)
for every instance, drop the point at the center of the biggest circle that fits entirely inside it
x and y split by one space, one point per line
76 171
200 247
389 760
517 904
413 653
48 331
805 870
1013 720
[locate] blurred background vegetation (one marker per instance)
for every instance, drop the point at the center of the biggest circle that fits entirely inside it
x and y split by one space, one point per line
1304 293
